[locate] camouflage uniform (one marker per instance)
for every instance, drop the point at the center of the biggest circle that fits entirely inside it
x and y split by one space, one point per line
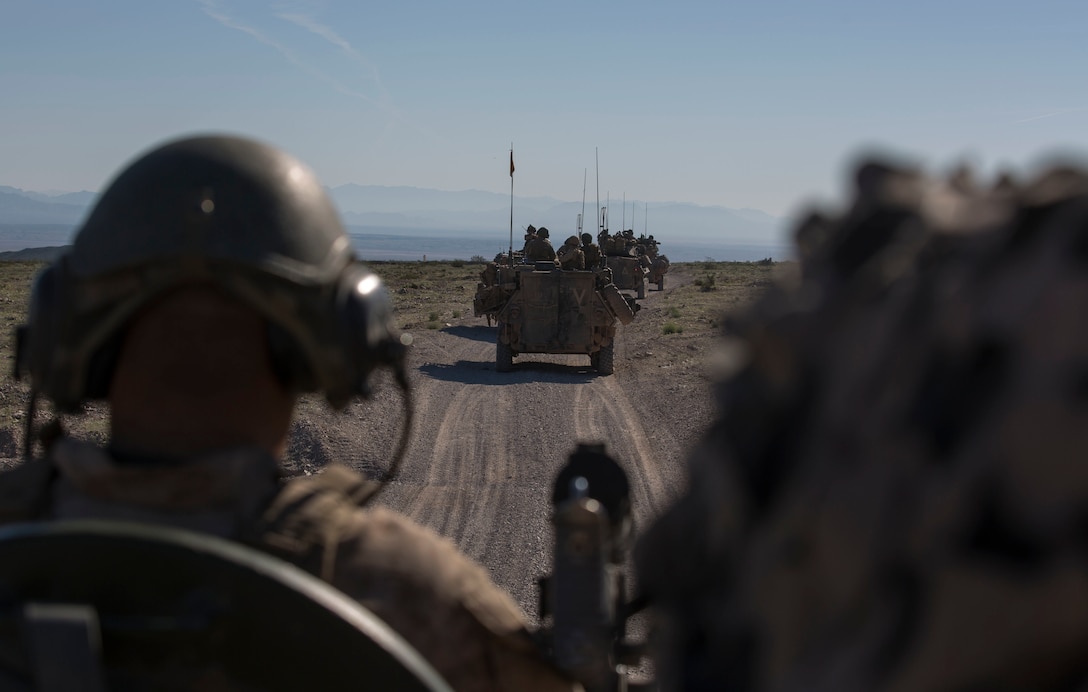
893 496
570 255
540 248
591 251
439 601
530 236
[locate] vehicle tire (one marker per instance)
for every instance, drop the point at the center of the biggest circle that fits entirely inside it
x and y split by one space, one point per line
641 289
504 356
661 284
604 359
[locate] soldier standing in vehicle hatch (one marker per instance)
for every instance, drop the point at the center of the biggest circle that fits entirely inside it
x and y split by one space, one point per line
591 251
570 255
540 248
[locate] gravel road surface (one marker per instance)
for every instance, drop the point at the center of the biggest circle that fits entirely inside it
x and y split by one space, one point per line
486 446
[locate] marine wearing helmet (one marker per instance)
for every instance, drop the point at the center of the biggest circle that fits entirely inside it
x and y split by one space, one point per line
570 255
211 284
540 248
591 251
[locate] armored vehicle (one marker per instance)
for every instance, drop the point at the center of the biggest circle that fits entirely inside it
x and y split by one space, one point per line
658 268
628 273
634 261
550 310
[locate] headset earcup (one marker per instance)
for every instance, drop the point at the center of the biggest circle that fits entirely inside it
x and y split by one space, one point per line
50 358
38 339
368 336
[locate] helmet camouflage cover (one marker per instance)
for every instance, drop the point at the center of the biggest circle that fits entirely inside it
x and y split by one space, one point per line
894 494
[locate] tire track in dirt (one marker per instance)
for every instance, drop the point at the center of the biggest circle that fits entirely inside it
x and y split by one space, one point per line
448 483
603 413
464 484
487 447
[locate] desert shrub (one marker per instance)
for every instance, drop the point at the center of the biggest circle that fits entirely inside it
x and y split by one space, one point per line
456 314
673 312
432 316
672 328
707 283
478 259
765 262
457 263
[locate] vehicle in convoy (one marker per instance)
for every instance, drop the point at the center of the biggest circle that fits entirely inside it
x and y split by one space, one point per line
628 273
549 310
658 268
634 261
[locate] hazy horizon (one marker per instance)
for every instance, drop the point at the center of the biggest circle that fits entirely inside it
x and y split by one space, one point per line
378 244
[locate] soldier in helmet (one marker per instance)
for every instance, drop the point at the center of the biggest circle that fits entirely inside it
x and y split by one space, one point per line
893 495
530 236
212 284
591 251
540 248
570 255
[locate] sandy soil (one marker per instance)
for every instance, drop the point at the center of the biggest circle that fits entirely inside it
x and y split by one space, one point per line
486 446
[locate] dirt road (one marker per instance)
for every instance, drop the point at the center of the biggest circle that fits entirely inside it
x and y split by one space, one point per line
487 446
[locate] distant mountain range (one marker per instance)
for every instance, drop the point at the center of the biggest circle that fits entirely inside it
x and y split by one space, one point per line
21 206
412 210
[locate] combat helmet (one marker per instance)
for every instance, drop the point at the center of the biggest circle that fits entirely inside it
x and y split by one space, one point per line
225 211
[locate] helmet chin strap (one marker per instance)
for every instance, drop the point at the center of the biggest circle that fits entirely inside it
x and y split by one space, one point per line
28 432
400 374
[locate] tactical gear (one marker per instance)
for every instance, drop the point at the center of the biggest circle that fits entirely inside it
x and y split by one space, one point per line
570 255
893 497
225 211
443 604
119 605
539 249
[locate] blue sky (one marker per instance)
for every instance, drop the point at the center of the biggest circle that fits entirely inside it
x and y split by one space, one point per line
760 105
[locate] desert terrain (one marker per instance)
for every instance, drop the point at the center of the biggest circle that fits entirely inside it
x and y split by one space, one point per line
485 446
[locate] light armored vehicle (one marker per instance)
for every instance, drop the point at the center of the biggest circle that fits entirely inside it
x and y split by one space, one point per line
550 310
628 273
634 261
658 268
